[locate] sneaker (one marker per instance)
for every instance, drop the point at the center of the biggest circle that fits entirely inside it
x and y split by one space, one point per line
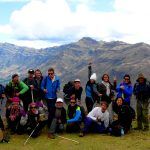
51 136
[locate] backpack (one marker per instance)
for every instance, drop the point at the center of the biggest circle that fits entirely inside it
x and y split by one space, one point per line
66 89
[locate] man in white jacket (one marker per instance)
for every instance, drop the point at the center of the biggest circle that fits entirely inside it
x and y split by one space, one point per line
97 120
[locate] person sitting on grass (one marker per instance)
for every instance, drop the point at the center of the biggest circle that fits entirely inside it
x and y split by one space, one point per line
123 122
34 121
57 118
97 120
74 117
13 115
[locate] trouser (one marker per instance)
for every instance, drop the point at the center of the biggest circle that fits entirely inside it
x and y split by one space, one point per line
89 104
56 127
26 99
73 127
142 114
37 129
92 126
1 124
3 107
50 106
13 125
111 113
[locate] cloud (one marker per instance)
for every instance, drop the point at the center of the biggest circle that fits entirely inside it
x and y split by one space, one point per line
5 29
8 1
55 21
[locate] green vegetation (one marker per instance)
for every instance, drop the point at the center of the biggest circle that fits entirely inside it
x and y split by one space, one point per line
135 140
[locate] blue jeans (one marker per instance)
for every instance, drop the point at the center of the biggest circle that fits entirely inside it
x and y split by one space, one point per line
90 125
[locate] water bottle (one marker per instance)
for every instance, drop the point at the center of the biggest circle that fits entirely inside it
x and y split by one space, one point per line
122 131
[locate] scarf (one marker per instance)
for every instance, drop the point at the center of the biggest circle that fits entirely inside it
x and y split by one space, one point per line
107 85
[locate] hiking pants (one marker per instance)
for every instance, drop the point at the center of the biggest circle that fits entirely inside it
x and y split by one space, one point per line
142 114
56 127
89 104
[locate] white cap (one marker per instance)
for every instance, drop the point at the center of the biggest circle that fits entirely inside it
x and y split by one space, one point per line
59 100
77 80
93 77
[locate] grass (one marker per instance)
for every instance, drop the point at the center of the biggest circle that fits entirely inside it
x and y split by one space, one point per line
135 140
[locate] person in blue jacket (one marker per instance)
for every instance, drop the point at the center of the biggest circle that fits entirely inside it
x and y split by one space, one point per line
125 89
74 117
50 86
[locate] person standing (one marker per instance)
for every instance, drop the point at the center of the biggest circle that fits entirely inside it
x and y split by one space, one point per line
142 93
50 86
105 88
16 88
92 93
30 94
125 89
38 80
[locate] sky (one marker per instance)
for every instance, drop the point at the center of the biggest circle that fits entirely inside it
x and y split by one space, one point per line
46 23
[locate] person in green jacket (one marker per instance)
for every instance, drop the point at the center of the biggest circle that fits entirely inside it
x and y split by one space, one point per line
16 88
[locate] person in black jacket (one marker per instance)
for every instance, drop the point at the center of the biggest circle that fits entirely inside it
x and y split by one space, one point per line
106 88
142 93
124 119
30 94
57 118
75 91
39 94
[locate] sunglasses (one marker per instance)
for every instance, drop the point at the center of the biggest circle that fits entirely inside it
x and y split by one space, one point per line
51 74
72 102
32 107
127 79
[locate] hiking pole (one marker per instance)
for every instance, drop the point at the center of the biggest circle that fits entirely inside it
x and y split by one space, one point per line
32 95
67 139
31 134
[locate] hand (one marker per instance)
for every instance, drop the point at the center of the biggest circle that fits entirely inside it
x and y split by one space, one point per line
98 119
32 87
45 91
17 94
122 87
3 96
115 79
59 121
100 95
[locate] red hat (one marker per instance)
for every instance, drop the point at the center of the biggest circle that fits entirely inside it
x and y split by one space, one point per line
15 99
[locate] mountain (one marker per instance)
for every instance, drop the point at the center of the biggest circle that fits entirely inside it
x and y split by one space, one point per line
71 60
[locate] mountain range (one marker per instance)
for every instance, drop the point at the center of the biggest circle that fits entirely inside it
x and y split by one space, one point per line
71 60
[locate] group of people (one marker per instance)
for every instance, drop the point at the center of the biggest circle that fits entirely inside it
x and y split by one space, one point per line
28 106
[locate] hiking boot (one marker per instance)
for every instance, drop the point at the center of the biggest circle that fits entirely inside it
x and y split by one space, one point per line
137 128
51 136
81 134
4 141
145 129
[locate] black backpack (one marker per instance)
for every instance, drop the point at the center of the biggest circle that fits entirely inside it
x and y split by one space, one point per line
67 87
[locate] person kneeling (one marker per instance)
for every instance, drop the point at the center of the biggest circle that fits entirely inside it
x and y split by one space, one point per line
74 117
57 118
97 120
123 122
34 123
